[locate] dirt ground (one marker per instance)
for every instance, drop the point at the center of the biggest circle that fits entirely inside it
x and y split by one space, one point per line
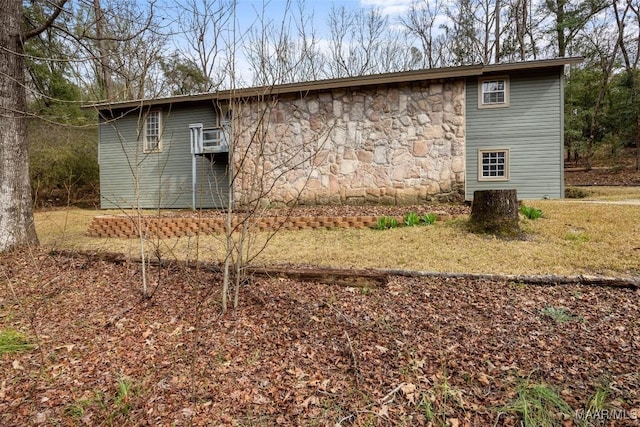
619 171
415 352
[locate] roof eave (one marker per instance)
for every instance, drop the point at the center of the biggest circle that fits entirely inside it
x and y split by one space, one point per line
341 83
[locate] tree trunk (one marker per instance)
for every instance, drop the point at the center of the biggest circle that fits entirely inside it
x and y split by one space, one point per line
105 82
495 212
16 214
497 32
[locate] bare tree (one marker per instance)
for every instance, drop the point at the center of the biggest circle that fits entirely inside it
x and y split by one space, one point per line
357 44
462 33
422 22
519 42
205 27
136 49
116 45
285 51
261 160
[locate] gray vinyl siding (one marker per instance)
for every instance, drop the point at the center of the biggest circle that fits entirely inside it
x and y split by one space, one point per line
165 178
531 127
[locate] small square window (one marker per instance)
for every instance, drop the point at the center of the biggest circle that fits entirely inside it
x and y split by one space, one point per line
493 165
493 92
152 131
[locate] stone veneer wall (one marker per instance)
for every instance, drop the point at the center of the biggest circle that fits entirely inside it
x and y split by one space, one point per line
391 144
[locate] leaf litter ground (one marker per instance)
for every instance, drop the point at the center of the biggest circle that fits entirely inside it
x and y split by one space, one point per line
416 352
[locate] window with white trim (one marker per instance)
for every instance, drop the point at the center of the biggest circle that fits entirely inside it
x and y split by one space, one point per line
493 92
153 131
493 165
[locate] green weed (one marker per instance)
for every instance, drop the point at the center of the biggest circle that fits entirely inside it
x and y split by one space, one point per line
559 314
411 219
366 291
13 342
77 409
386 222
598 401
530 212
441 401
538 405
429 218
576 236
123 395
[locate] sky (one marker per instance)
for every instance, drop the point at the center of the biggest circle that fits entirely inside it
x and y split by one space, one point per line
275 8
250 12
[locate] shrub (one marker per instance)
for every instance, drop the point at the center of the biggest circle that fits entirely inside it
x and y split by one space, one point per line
63 163
575 193
429 218
530 212
411 219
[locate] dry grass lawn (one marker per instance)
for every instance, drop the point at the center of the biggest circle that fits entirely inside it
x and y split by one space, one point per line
573 237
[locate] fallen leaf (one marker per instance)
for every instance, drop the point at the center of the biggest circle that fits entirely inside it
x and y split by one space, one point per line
41 417
483 379
384 411
382 349
187 412
409 391
311 400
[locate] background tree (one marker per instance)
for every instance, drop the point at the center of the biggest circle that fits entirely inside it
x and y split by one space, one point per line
567 19
285 51
599 41
519 41
16 211
628 23
357 44
181 76
423 22
205 37
462 34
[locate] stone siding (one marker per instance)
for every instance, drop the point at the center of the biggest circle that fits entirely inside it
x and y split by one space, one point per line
392 144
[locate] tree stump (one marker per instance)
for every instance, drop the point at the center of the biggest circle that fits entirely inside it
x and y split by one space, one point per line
495 212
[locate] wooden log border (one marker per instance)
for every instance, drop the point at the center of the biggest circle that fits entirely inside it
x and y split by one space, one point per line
369 277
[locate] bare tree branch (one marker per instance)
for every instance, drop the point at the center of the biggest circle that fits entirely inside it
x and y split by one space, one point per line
37 31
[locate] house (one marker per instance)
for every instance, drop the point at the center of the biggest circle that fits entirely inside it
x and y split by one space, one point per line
406 137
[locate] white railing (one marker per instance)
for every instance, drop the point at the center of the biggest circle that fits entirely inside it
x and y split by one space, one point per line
210 140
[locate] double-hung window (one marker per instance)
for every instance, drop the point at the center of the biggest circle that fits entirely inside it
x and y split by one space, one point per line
153 131
493 165
493 92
